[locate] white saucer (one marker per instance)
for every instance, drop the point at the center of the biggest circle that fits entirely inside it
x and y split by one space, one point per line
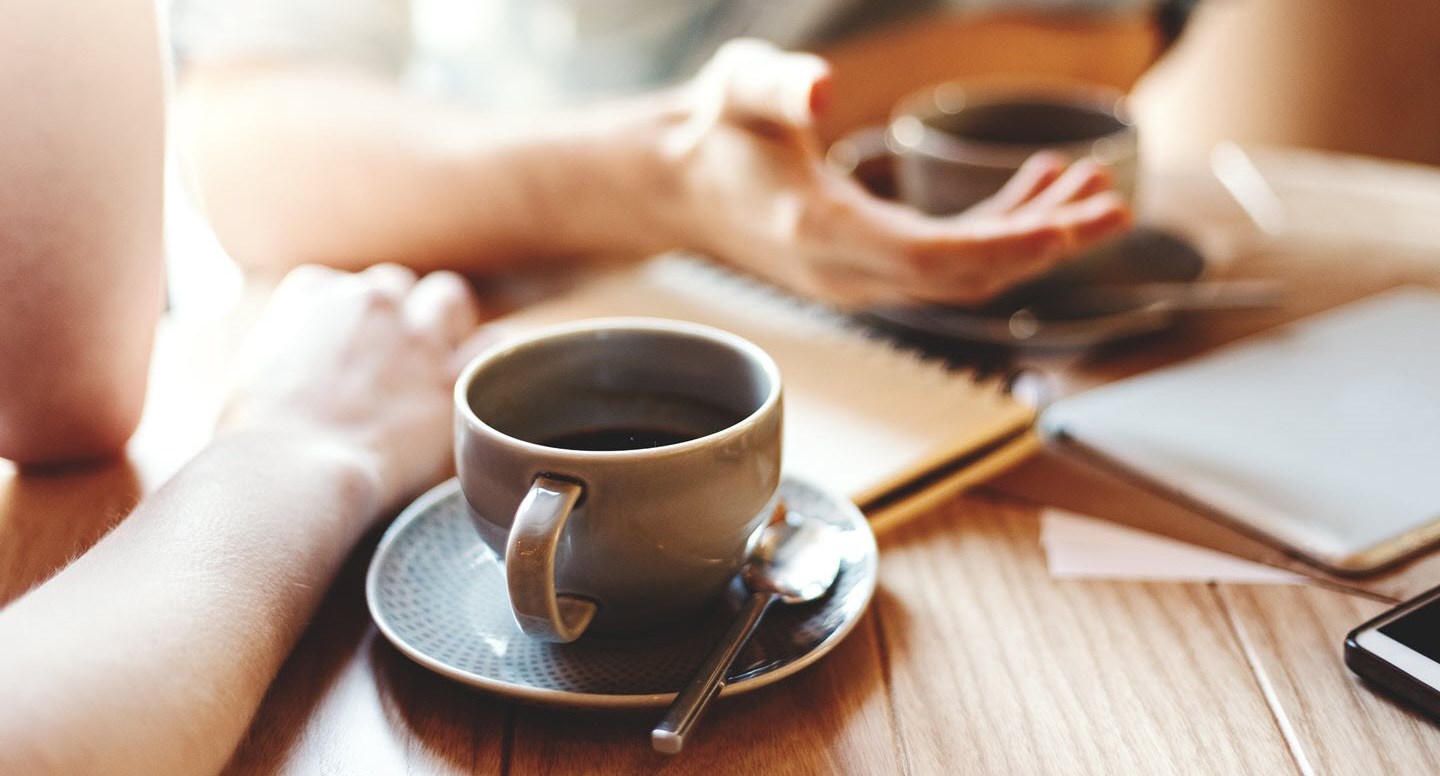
438 594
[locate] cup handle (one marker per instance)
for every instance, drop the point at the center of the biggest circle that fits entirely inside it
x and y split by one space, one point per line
539 610
848 154
865 155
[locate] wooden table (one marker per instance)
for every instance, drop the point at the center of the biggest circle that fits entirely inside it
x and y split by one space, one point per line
971 660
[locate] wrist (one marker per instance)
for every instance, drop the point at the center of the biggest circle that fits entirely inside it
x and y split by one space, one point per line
338 472
653 200
590 181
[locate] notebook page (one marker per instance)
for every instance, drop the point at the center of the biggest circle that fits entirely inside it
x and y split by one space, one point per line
861 417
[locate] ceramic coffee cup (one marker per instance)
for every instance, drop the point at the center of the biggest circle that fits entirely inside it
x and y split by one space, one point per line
954 144
620 466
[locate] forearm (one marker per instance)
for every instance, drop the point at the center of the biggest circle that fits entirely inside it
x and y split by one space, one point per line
81 264
300 164
151 652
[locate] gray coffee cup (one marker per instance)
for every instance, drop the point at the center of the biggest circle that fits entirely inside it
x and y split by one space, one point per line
954 144
620 466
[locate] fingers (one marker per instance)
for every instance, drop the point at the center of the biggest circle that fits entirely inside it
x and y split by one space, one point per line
392 279
1034 176
1044 184
906 255
753 80
1093 220
973 267
443 305
304 279
1019 247
1083 179
440 306
1042 217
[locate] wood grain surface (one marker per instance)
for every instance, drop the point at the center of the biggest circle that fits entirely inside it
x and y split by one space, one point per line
997 668
1334 724
834 717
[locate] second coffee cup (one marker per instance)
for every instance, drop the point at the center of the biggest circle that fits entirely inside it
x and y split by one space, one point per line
620 467
954 144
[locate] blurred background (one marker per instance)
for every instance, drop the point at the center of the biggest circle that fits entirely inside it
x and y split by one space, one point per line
1342 75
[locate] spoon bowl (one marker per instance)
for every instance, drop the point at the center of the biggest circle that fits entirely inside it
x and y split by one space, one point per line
796 561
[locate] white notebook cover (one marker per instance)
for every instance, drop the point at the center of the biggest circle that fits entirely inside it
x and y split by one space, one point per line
862 418
1323 435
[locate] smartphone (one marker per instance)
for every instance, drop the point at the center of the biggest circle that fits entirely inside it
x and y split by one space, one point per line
1398 652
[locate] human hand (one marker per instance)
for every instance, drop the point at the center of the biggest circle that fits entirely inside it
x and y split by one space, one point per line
363 362
756 191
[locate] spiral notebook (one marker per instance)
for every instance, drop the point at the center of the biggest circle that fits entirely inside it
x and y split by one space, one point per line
888 428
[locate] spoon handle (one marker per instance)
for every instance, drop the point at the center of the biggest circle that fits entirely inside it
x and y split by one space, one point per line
685 711
1196 296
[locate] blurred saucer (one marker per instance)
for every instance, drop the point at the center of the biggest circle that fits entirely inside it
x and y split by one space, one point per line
437 592
1080 304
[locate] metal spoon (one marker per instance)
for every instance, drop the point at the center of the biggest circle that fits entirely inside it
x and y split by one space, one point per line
1097 313
1195 296
795 562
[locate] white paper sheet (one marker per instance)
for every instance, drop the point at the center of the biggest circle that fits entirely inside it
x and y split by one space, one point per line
1081 547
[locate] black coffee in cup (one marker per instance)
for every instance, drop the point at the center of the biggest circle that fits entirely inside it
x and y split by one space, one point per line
1028 122
627 390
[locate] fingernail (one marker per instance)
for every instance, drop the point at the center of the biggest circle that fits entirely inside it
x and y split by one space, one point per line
821 95
1048 158
809 92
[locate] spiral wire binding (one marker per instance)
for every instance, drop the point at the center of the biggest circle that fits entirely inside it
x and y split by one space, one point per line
822 321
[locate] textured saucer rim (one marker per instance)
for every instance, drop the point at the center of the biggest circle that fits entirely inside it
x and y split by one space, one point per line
868 567
977 327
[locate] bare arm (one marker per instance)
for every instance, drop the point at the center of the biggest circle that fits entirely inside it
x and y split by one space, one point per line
309 163
298 163
150 654
81 265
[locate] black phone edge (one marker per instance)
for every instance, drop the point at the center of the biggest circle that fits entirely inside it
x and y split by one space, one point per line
1382 675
